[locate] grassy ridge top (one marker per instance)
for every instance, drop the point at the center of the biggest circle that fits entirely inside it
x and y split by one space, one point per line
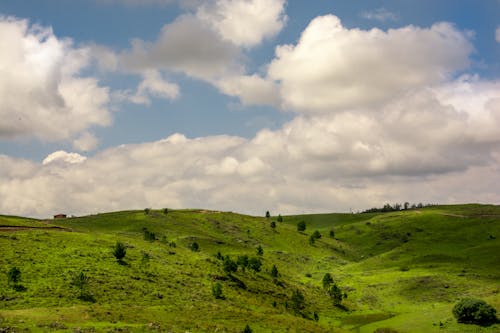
402 270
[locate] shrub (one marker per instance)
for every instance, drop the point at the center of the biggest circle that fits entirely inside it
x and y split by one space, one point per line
119 251
165 211
336 294
280 218
147 211
247 329
242 261
148 235
268 215
301 226
194 247
260 250
316 317
14 275
273 225
312 240
217 291
332 234
80 280
474 311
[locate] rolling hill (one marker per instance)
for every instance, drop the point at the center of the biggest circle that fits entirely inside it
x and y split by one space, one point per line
401 270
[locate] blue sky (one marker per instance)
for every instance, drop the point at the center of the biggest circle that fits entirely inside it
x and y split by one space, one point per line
355 99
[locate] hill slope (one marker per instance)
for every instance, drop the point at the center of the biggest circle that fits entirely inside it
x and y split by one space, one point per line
402 270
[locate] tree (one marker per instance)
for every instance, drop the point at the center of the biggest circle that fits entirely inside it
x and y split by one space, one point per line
268 215
301 226
332 233
474 311
194 247
336 294
80 281
229 265
255 264
273 225
274 271
312 240
247 329
316 317
297 300
260 250
217 291
406 205
327 281
280 218
14 277
165 211
119 251
242 261
147 211
316 234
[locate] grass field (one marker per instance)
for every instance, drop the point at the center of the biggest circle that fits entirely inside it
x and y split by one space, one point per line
401 270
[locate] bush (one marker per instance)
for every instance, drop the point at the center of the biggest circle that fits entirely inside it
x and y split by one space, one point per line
301 226
229 265
217 291
336 294
273 225
247 329
14 275
254 263
332 233
474 311
297 300
148 235
260 250
119 251
280 218
312 240
327 281
274 271
316 234
242 261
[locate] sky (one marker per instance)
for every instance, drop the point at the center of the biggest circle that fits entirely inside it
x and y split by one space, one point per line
247 105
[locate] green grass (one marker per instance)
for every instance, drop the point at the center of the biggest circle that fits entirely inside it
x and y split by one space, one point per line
401 270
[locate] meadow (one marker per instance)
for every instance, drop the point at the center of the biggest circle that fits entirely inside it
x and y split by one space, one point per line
400 271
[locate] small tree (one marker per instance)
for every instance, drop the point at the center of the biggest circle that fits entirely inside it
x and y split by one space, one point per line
229 265
14 277
273 225
194 247
255 264
327 281
280 218
242 261
297 300
81 280
301 226
147 211
260 251
312 240
268 215
316 234
274 271
119 251
247 329
165 211
332 233
217 291
336 294
474 311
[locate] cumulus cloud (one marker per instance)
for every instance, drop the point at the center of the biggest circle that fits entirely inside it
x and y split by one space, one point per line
333 67
152 85
413 148
245 23
43 92
85 142
379 14
251 89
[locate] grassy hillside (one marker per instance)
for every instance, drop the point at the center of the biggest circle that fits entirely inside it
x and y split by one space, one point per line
400 270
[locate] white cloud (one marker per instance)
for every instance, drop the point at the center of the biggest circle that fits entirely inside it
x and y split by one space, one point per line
61 156
379 14
43 93
86 142
497 34
251 89
245 22
431 145
187 46
335 68
152 85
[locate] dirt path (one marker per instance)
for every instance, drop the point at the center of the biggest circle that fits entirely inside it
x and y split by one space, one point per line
7 228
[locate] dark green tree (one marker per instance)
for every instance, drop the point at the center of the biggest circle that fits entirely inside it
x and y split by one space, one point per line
242 261
297 300
327 281
301 226
273 225
316 317
312 240
332 233
268 215
229 265
260 250
247 329
336 294
14 276
274 271
217 291
280 218
165 211
81 281
474 311
254 263
119 251
147 211
316 234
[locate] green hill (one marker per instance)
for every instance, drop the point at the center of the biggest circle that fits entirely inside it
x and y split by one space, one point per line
401 270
